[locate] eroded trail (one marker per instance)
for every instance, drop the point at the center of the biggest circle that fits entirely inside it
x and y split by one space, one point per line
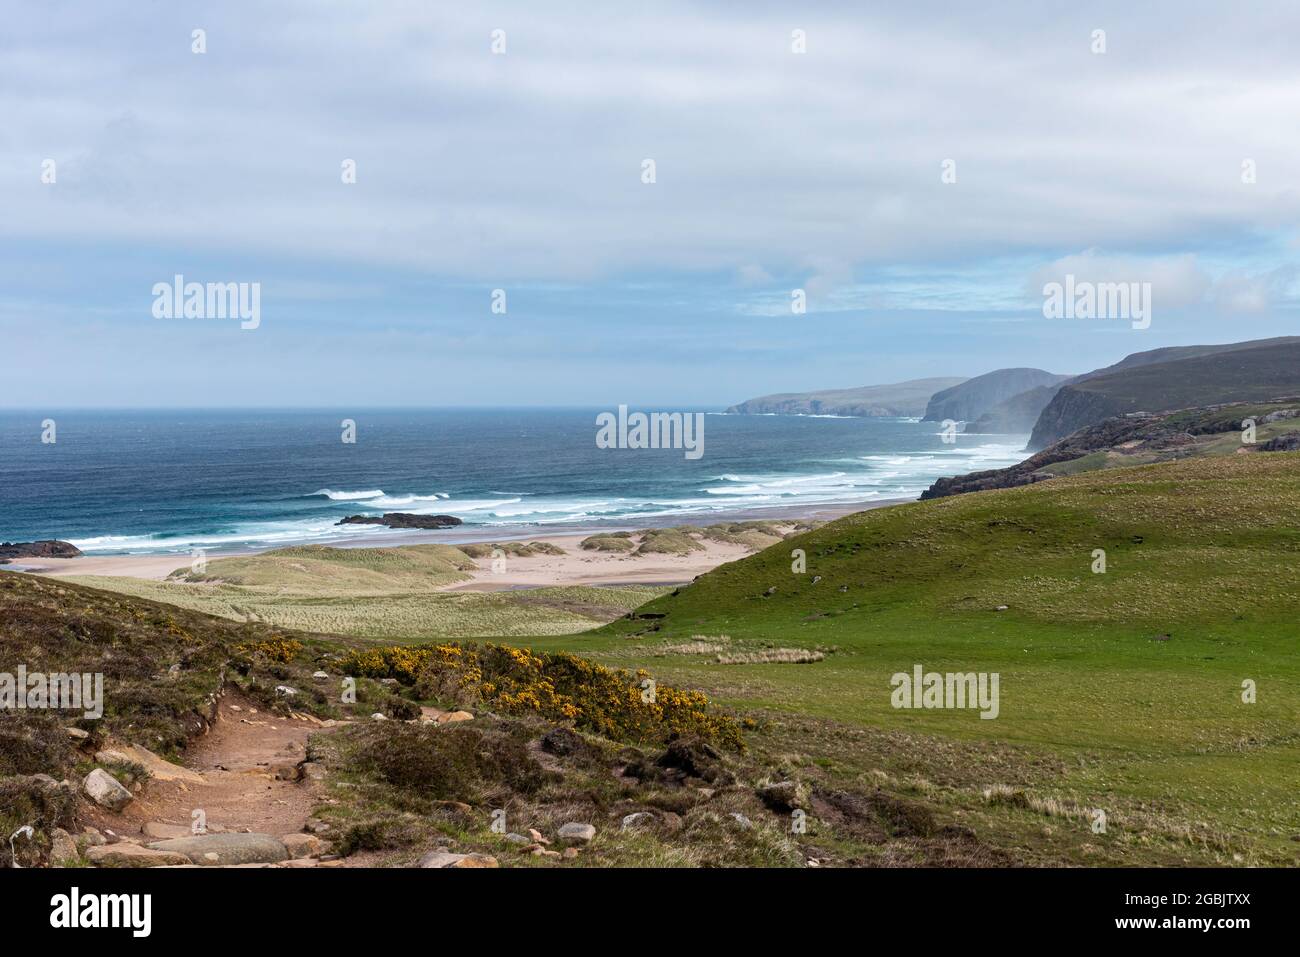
246 769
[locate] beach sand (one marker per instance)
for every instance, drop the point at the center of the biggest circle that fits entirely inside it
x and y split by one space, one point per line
575 567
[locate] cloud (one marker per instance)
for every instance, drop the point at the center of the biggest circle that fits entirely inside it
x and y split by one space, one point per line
1176 281
527 165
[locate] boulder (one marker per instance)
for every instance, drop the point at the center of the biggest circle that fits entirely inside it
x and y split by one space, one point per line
638 820
104 789
159 831
303 845
158 769
441 858
133 855
577 833
63 849
219 849
451 717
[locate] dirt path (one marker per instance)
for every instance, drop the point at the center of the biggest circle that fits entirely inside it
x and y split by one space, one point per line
240 792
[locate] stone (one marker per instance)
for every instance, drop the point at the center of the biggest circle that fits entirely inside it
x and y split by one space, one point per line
312 770
285 691
638 819
63 849
536 835
574 831
286 772
319 675
133 855
441 858
744 822
303 845
102 788
160 831
76 734
377 716
220 849
570 853
92 838
158 769
451 717
514 838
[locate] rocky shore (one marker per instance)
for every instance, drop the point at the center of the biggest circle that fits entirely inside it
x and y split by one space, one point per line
402 520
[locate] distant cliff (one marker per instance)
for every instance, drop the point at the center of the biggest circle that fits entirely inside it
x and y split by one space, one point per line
897 399
1239 372
1016 415
969 400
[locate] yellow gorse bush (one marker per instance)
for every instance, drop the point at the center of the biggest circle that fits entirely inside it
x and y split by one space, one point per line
615 703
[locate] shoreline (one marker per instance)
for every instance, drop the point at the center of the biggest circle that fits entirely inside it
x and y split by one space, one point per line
576 567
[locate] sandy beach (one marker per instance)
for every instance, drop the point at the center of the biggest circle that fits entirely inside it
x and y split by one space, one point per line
575 567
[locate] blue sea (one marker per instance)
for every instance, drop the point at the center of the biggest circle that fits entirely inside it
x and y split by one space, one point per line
129 482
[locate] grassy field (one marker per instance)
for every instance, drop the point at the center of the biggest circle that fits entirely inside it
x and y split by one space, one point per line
1120 691
406 611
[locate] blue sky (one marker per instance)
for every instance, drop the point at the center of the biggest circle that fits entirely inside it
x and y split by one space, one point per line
774 171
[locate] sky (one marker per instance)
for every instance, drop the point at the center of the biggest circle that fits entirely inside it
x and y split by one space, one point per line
918 171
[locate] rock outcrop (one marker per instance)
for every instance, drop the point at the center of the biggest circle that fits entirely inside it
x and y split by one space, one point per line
402 520
45 548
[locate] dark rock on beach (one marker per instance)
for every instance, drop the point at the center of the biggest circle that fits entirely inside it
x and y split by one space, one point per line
46 548
402 520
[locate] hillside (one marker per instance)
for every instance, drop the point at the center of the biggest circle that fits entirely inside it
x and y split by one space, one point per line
1176 353
968 400
1120 691
901 399
1249 372
1125 441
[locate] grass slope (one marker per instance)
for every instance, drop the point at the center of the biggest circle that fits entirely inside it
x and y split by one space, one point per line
1120 691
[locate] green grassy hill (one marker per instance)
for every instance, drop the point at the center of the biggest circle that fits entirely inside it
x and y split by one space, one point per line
1120 691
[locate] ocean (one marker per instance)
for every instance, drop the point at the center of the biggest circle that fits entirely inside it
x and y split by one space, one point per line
134 482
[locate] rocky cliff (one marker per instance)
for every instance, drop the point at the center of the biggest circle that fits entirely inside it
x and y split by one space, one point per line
971 399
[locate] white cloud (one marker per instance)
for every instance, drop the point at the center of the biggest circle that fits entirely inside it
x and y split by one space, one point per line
526 165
